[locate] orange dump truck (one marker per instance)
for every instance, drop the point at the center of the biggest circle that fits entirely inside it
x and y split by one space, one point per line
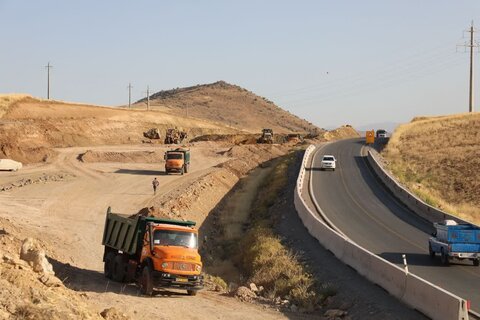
177 160
155 253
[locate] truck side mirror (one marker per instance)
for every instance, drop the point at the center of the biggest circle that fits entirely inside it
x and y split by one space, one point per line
164 157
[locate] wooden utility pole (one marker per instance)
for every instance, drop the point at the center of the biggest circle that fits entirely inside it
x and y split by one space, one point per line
472 44
148 98
129 95
48 66
470 104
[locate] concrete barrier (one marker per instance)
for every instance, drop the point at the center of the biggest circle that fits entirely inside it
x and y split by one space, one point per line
431 300
413 202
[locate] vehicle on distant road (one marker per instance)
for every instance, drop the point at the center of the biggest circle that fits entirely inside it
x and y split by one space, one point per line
156 253
10 165
455 241
328 162
381 133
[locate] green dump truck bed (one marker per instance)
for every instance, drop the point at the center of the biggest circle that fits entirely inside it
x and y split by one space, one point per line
124 233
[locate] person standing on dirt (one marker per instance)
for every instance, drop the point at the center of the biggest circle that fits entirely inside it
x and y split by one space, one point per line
155 184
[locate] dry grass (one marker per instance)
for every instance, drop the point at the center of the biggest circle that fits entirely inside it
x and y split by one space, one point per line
439 159
7 100
266 261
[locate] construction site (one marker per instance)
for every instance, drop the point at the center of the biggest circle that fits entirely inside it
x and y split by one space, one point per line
78 160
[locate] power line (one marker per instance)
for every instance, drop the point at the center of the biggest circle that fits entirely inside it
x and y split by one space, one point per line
48 67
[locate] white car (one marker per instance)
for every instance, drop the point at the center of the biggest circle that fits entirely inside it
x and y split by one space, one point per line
11 165
328 162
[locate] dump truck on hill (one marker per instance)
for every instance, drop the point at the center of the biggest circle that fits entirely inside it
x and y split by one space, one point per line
156 253
455 241
177 160
267 136
175 136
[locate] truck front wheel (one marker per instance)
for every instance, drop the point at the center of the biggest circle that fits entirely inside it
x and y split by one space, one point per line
192 292
476 262
146 282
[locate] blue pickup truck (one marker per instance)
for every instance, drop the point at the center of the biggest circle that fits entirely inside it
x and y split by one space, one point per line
455 241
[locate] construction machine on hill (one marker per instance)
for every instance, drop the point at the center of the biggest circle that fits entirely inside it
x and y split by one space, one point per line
175 136
267 136
153 133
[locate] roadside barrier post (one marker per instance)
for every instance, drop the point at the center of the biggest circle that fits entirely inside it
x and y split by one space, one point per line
404 256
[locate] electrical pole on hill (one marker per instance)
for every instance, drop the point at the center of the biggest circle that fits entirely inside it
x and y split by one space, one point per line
471 45
148 98
48 67
129 95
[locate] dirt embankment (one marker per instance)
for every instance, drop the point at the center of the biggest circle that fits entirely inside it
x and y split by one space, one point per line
439 159
30 128
343 132
194 200
29 288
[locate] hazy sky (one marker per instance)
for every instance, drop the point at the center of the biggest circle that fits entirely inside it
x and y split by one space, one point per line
331 62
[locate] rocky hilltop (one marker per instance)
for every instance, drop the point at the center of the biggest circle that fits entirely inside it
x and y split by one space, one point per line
231 105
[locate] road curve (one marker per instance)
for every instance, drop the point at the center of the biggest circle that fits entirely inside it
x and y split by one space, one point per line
359 205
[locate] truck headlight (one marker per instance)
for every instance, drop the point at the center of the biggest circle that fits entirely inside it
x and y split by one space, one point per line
198 267
164 265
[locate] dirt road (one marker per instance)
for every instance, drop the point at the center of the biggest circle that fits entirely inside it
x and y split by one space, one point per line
68 216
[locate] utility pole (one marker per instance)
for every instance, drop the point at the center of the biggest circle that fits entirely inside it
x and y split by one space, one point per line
471 45
48 66
129 95
148 98
470 102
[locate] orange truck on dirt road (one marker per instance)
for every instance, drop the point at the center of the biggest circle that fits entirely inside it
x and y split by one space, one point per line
177 160
156 253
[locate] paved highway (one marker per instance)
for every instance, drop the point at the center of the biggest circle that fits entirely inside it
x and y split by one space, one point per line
358 204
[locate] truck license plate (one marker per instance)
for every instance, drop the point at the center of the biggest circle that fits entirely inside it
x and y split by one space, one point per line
182 280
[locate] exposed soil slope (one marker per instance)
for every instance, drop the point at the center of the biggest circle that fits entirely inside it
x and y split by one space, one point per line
343 132
30 127
439 159
231 105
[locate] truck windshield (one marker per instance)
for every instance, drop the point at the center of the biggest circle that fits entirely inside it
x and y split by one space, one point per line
175 238
172 156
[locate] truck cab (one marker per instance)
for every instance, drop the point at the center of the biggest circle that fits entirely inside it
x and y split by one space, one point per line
177 160
156 253
454 241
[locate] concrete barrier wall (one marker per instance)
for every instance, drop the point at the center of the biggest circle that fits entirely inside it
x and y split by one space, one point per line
431 300
414 203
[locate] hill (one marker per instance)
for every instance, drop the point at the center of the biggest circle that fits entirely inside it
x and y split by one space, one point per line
439 159
231 105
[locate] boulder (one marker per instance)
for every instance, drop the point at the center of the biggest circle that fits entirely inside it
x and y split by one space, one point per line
34 255
245 294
